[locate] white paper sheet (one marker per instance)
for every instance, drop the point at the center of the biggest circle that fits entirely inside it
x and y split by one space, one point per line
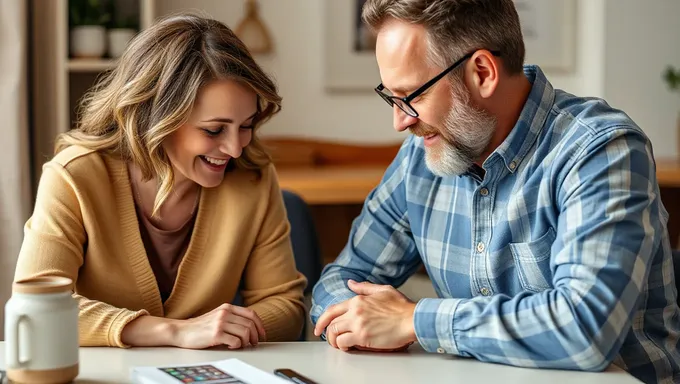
232 371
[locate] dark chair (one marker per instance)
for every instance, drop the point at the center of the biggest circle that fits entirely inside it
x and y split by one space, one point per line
676 268
304 238
305 242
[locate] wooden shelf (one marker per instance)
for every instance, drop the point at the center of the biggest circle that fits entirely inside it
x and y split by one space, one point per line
90 65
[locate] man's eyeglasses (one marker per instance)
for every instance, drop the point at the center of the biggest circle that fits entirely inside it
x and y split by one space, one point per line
404 103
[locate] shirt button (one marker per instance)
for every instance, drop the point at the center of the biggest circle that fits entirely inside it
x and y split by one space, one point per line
480 247
513 165
484 191
441 350
485 291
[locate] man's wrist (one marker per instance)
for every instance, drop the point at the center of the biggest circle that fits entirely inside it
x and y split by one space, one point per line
409 323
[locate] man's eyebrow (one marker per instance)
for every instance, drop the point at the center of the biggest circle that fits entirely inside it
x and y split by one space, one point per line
402 89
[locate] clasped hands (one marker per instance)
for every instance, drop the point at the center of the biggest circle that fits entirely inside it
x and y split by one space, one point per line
380 318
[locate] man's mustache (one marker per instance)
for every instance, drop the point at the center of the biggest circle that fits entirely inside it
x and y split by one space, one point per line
421 129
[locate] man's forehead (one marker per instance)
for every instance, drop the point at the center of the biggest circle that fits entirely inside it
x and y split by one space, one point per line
401 51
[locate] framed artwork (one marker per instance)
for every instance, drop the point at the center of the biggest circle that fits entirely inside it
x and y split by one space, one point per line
549 30
349 48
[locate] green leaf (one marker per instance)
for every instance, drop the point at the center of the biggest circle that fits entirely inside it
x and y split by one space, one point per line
672 78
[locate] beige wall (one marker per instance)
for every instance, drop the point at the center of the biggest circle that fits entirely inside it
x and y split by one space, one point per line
14 169
642 41
297 64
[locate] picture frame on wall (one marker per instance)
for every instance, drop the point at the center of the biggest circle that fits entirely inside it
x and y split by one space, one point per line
548 27
549 31
349 48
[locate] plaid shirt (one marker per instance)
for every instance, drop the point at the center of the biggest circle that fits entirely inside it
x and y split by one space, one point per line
555 255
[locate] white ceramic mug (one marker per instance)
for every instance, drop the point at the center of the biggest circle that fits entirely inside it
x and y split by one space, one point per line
41 331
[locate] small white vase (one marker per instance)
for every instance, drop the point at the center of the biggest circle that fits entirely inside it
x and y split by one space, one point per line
88 41
118 40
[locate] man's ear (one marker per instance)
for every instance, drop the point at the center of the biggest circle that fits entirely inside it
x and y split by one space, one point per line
483 73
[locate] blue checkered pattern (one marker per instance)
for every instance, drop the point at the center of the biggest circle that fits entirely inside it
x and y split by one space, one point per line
556 256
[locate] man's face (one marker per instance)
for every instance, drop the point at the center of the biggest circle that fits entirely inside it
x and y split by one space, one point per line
455 132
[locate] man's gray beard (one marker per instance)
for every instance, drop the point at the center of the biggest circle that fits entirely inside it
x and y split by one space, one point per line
466 136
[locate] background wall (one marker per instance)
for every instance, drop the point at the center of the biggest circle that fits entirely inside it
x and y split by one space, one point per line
621 45
642 39
14 167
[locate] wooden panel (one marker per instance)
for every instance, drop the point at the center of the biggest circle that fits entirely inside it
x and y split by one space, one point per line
331 184
668 172
288 152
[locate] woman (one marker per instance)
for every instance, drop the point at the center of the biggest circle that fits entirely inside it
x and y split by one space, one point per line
162 205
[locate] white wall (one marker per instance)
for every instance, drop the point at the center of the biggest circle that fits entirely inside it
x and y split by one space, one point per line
615 39
642 39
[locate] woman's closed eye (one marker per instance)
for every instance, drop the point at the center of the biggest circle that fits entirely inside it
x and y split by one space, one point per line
216 131
213 131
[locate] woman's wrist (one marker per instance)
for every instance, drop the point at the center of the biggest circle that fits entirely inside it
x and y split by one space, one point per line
151 331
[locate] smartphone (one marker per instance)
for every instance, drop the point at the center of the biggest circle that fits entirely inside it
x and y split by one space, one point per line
293 376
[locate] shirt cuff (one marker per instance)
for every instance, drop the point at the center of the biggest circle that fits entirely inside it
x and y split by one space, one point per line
433 323
336 299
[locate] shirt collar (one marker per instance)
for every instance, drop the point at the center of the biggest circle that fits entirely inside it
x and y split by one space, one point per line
530 123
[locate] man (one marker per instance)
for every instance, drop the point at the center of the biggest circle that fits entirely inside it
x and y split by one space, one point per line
535 212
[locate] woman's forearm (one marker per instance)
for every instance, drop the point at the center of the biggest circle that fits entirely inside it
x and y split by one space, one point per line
151 331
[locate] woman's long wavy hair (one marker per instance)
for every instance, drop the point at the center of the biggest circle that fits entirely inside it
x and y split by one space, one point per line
151 92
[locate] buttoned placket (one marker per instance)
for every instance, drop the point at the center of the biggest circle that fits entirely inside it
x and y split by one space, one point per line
482 207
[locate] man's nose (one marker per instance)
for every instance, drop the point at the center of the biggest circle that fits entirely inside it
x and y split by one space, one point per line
402 120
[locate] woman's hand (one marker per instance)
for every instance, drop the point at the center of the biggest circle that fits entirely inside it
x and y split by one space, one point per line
230 325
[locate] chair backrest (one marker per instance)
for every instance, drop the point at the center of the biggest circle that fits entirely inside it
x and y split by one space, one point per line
676 269
304 238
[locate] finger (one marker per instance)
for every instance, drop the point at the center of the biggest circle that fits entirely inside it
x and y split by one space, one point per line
250 314
238 330
231 341
348 340
336 328
254 333
366 288
331 313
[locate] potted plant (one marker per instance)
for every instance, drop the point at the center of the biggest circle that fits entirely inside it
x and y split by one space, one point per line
672 78
119 35
88 32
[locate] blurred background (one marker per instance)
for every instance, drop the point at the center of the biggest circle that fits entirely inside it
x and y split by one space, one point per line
334 137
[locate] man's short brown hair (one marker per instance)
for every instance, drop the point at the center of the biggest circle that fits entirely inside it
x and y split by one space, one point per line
456 27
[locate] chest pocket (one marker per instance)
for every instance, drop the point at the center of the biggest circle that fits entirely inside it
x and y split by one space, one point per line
532 262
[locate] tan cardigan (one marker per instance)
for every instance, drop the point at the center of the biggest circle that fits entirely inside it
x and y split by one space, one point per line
84 227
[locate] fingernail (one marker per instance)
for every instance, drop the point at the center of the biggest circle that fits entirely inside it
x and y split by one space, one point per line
351 281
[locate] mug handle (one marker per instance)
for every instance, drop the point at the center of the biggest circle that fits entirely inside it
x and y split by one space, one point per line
13 352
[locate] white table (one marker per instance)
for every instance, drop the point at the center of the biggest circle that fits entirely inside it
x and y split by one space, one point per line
324 364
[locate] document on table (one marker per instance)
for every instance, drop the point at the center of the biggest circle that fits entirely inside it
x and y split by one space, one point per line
232 371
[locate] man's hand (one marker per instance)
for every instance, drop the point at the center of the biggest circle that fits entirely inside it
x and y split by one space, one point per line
380 318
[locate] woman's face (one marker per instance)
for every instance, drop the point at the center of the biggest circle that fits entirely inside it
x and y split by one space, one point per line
219 127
